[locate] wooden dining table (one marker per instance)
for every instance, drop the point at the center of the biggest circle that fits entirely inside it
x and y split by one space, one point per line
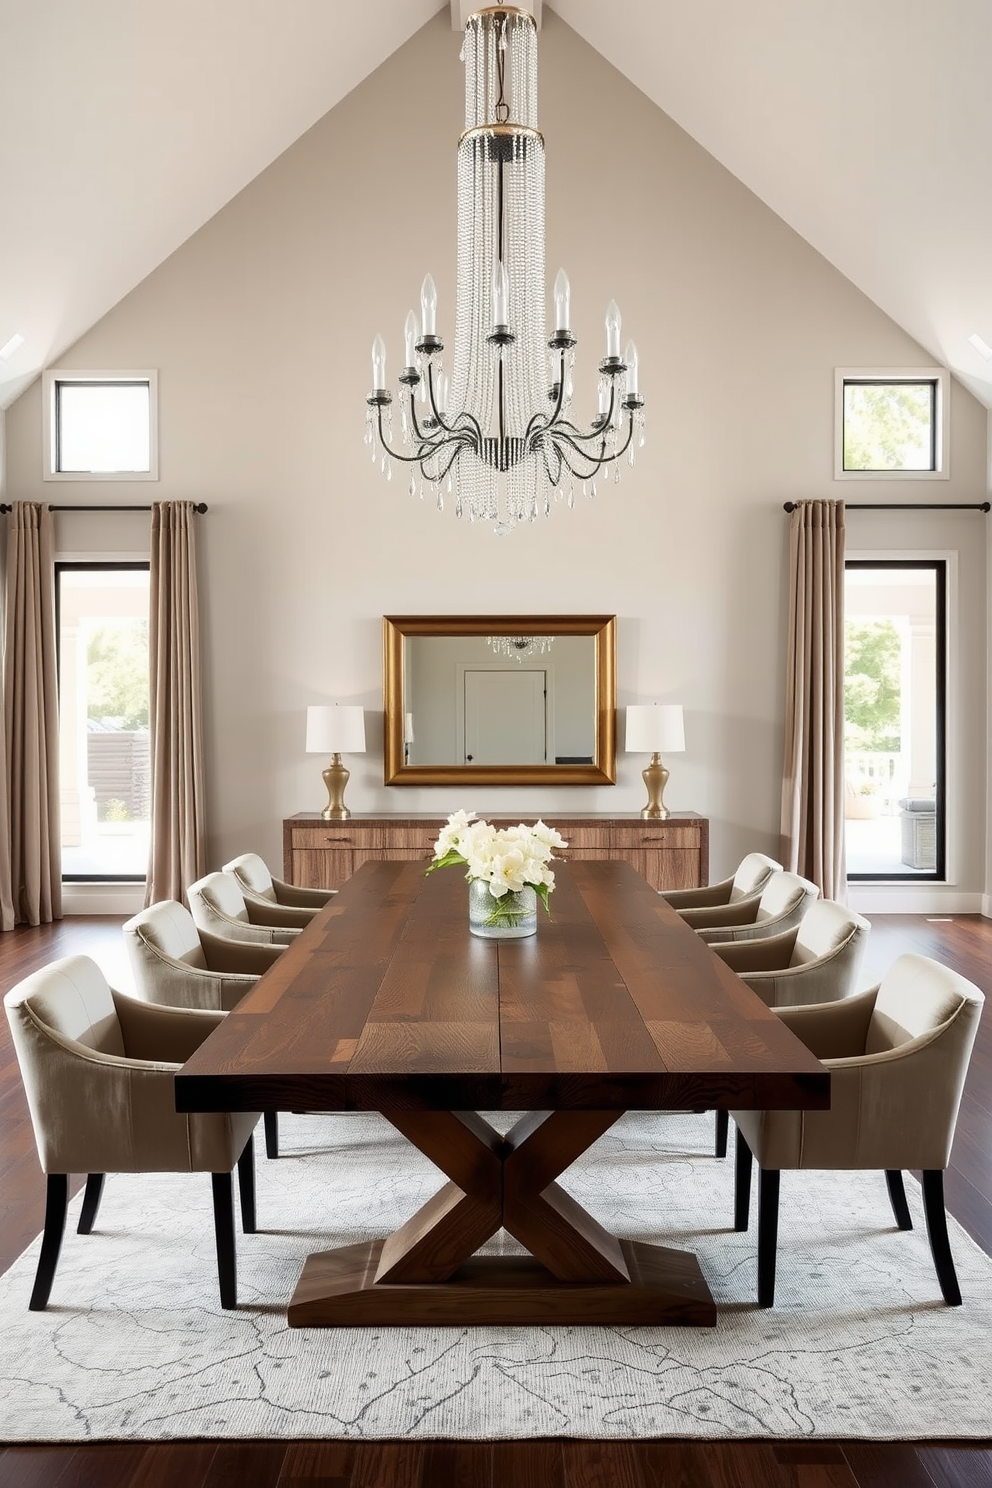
387 1003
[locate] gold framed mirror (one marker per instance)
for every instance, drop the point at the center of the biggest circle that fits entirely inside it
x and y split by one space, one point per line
499 699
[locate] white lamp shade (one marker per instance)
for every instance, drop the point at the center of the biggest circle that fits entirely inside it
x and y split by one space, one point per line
655 728
335 728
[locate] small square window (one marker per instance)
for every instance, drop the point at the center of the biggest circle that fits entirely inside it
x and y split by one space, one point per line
891 424
101 425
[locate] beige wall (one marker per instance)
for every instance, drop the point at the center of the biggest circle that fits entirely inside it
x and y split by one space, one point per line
261 326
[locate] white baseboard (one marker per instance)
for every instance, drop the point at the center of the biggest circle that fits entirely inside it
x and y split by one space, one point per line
918 899
102 898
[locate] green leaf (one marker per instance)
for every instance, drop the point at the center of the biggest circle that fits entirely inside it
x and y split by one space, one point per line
451 859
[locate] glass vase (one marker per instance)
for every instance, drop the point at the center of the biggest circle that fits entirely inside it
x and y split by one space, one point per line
508 918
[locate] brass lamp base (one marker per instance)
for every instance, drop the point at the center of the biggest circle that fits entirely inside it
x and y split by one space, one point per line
655 778
335 778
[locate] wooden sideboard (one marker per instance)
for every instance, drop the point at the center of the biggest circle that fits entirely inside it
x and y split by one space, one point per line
670 854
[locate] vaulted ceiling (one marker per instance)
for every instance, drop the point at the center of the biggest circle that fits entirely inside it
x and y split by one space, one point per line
126 124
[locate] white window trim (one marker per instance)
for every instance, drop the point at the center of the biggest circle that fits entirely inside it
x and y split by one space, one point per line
53 375
938 375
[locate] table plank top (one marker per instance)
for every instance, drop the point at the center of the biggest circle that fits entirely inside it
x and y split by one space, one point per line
387 1002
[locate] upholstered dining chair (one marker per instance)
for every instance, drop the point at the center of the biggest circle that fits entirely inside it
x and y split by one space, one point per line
781 905
219 907
297 906
176 965
98 1071
897 1055
818 960
746 884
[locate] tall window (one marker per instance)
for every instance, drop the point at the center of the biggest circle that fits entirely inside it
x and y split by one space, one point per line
104 754
894 692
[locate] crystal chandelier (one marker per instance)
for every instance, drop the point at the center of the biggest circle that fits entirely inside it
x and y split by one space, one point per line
521 646
497 436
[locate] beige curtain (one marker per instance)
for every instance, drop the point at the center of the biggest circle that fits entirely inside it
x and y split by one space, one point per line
813 777
177 854
33 892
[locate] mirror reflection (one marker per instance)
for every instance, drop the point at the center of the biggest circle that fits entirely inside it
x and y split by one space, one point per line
500 700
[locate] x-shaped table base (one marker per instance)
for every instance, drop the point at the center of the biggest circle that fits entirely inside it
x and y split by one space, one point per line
427 1270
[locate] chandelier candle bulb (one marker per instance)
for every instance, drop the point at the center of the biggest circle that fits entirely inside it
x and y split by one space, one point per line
613 330
441 394
428 306
501 294
563 294
630 357
378 365
410 338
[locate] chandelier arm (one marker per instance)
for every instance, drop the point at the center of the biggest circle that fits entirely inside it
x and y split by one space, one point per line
427 447
451 428
540 421
574 434
597 462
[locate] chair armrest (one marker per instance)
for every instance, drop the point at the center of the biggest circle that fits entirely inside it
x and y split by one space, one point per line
281 916
832 1030
287 893
742 912
162 1034
716 893
769 954
243 958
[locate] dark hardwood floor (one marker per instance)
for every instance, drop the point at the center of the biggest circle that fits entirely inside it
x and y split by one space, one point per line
964 942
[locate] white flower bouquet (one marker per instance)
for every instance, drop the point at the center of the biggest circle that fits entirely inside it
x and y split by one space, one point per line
508 860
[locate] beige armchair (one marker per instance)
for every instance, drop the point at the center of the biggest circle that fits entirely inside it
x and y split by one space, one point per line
818 960
297 906
897 1055
746 884
784 900
98 1071
219 908
176 965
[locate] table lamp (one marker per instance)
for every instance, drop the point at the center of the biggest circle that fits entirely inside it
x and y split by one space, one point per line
335 729
650 729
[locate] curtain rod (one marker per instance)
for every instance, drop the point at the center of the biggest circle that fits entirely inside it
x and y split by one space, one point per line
982 506
198 506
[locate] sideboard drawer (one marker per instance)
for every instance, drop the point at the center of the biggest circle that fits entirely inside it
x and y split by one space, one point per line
656 834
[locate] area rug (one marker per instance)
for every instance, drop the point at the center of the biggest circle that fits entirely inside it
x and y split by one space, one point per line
134 1344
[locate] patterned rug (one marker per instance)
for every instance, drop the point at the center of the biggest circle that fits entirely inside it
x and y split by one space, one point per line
134 1344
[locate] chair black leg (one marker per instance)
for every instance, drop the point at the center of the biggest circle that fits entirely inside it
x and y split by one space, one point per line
742 1183
940 1246
224 1231
91 1203
897 1198
722 1128
270 1122
246 1186
56 1204
768 1187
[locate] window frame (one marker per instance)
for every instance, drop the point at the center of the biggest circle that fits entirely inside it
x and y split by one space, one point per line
940 379
52 378
940 568
92 565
